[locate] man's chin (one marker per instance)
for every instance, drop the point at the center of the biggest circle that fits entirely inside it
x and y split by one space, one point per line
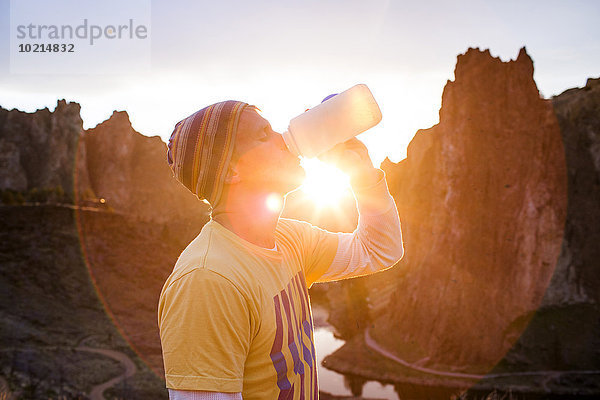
293 181
299 177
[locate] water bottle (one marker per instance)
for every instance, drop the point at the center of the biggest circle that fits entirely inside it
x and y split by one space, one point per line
337 119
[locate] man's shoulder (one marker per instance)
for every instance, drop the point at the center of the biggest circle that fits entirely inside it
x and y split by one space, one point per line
299 232
288 227
197 254
211 262
197 275
293 223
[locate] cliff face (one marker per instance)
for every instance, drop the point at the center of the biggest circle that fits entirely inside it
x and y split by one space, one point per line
565 332
50 251
82 278
43 149
130 171
577 277
482 198
46 150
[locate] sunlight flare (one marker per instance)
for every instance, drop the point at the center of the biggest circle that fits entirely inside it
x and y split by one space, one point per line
274 202
325 185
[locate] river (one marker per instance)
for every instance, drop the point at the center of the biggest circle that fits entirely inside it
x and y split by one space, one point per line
338 384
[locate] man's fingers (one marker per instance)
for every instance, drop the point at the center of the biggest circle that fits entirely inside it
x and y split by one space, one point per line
350 156
333 155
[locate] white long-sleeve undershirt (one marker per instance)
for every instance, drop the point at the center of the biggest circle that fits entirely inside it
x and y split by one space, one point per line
201 395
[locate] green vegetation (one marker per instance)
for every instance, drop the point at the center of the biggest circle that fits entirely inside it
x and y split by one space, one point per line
52 195
11 197
35 195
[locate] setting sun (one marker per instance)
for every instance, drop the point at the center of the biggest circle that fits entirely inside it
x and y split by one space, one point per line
325 185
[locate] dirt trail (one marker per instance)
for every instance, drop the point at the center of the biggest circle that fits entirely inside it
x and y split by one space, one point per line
372 344
97 391
130 369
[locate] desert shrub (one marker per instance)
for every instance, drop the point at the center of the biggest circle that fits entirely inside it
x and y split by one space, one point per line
7 197
47 195
11 197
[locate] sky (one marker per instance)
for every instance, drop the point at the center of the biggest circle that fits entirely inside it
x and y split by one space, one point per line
286 56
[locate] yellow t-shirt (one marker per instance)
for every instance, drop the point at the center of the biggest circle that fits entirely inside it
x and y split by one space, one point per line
235 317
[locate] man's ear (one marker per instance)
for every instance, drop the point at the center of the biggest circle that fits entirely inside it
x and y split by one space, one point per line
232 176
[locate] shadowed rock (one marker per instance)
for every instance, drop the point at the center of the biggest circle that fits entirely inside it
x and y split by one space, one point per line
131 172
482 199
43 149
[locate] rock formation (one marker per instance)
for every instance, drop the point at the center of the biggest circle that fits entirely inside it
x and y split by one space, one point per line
501 223
130 171
482 198
43 149
50 308
50 251
48 150
577 277
564 334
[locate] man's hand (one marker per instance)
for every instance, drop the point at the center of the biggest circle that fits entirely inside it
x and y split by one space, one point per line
352 157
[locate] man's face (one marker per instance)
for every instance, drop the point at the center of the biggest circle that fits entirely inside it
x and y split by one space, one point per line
261 158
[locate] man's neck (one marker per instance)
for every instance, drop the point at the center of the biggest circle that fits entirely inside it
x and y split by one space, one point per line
251 216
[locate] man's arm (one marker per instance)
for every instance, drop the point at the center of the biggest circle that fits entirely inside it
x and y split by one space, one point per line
205 330
376 244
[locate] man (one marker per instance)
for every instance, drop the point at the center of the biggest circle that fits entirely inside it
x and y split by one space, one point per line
234 316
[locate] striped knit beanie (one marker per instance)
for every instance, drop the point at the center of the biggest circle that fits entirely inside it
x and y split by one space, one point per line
201 146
